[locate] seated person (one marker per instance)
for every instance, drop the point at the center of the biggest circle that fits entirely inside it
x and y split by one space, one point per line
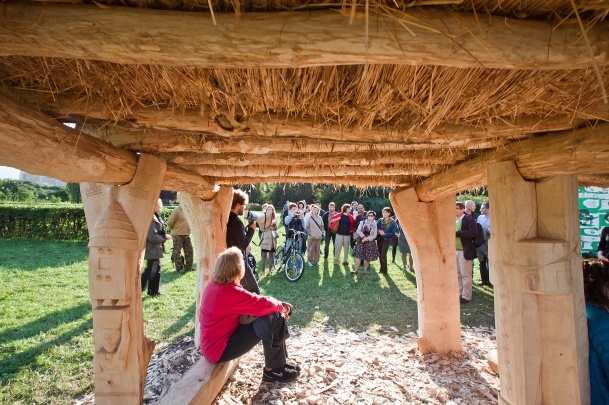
225 335
596 288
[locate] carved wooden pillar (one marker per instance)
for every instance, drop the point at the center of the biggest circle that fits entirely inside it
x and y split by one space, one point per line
430 230
536 269
207 220
118 218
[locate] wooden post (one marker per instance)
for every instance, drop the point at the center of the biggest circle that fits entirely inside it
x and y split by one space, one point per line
536 269
430 230
118 218
207 221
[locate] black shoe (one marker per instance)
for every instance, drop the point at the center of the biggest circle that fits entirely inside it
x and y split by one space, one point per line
287 366
181 271
154 294
279 374
463 300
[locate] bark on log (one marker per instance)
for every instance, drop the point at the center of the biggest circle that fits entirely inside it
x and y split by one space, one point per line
294 39
362 159
37 144
261 173
584 151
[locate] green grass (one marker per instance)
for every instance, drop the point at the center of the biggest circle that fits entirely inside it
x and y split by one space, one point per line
46 339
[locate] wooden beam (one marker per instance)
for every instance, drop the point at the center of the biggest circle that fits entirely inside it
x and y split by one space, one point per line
38 144
295 39
200 385
362 159
355 181
584 151
192 130
276 169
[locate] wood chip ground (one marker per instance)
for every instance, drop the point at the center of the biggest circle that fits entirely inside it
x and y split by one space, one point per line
345 367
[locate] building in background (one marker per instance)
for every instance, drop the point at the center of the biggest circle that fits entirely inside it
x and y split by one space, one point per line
43 180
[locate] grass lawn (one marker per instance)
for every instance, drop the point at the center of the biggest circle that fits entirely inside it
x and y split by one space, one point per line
46 338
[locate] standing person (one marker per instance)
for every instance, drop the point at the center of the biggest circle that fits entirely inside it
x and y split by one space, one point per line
302 211
329 235
155 241
180 232
482 251
603 245
366 249
294 222
268 244
237 236
354 205
343 236
405 250
386 228
314 227
359 215
223 337
470 209
466 251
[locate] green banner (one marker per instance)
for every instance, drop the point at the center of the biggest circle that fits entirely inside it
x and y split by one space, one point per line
593 216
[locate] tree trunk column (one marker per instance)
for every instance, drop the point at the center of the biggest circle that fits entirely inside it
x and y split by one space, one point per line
542 340
118 218
207 220
430 230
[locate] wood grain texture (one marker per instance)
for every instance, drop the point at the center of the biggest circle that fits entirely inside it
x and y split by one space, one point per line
583 151
539 302
294 39
430 231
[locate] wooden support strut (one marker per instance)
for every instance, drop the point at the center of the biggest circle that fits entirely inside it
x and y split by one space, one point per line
38 144
295 39
430 231
536 270
118 219
207 220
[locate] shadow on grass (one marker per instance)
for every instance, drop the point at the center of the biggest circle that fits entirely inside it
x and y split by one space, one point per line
10 364
329 295
179 323
28 254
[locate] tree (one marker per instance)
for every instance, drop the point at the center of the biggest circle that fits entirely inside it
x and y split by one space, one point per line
73 190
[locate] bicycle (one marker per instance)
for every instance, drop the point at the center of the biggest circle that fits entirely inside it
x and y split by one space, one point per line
291 260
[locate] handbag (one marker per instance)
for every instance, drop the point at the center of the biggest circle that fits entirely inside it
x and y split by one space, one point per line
334 228
275 235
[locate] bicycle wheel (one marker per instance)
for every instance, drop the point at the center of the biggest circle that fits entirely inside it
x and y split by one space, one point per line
294 268
278 258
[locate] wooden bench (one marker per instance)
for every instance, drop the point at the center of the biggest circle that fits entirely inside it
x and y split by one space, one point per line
200 385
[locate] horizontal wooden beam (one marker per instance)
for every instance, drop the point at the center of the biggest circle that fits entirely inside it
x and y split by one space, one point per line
583 152
362 159
156 130
355 181
37 144
295 39
276 169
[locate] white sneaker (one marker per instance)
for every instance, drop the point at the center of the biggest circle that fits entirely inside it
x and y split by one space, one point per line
317 264
310 264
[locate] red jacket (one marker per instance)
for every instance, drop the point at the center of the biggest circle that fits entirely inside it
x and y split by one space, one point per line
337 216
221 306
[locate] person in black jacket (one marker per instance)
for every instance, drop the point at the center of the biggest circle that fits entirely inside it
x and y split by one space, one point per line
329 236
603 245
236 235
466 251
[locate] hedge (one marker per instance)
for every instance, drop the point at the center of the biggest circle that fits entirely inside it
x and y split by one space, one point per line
46 221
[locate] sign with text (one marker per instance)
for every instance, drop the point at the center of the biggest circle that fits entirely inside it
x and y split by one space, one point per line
593 216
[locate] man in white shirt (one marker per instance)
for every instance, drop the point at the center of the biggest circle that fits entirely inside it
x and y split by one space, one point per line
482 251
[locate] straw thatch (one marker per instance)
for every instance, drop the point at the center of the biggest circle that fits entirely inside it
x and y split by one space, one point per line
319 123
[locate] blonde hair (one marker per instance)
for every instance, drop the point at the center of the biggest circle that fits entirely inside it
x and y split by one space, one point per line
229 267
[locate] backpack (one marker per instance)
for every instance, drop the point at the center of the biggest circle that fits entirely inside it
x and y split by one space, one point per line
479 240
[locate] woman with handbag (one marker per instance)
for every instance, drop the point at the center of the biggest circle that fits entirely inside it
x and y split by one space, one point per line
268 244
314 225
386 228
366 249
343 223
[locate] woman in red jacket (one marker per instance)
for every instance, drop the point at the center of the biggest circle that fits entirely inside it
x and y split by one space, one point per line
227 332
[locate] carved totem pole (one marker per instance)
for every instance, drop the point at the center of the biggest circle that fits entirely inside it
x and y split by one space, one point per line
118 218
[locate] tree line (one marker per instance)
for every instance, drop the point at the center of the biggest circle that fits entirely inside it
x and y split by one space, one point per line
30 192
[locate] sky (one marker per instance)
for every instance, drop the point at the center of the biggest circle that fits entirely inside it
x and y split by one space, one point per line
9 173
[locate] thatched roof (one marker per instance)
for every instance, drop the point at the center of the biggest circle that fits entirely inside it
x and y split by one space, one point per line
363 121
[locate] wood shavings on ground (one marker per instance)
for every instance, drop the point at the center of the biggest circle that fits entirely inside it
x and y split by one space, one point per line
344 367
